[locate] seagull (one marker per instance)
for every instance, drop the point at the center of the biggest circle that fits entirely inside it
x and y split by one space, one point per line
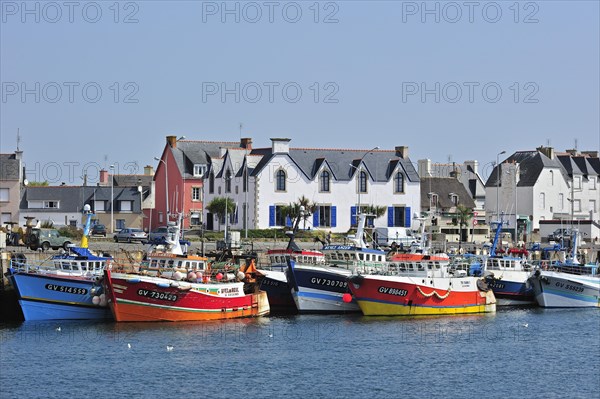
270 335
58 329
526 325
169 348
128 346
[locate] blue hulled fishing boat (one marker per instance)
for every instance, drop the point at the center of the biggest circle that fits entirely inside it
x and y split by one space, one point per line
65 287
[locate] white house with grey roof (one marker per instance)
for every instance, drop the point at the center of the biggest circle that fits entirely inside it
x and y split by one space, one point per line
337 180
11 180
543 185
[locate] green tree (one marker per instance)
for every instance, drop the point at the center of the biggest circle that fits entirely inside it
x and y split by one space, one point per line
37 184
221 205
463 215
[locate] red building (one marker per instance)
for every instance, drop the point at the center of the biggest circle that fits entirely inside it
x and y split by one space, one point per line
182 167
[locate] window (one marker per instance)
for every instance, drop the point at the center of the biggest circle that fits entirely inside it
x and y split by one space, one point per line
593 206
199 170
195 219
228 181
237 189
51 204
280 180
592 182
196 193
245 182
324 215
398 216
280 217
211 183
561 202
454 199
433 200
219 190
73 223
125 206
577 205
99 206
4 195
551 177
399 183
325 176
5 218
120 224
362 182
577 182
542 201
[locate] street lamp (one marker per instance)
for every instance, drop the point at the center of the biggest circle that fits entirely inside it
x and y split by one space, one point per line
359 170
498 184
166 188
112 201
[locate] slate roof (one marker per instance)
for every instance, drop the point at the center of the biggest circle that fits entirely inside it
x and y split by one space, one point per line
132 180
73 198
188 153
444 187
9 167
376 162
531 165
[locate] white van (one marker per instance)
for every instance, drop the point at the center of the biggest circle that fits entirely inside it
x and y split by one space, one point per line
386 236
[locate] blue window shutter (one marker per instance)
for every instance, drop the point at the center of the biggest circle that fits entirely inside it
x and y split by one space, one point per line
288 221
407 216
390 216
316 218
333 216
272 215
353 216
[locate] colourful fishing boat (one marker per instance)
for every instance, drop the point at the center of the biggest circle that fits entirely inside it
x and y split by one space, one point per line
173 286
65 287
420 284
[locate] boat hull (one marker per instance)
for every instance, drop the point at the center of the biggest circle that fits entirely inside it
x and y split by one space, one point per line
512 289
135 298
563 290
318 289
278 292
45 297
410 296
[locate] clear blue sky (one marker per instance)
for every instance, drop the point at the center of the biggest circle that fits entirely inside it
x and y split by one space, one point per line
370 61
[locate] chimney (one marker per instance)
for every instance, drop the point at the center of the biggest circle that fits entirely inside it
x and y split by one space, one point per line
148 170
572 152
473 165
103 177
547 151
172 141
280 145
424 167
402 151
246 143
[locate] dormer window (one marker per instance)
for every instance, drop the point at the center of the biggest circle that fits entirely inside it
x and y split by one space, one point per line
362 182
454 199
199 170
280 180
325 177
228 181
399 183
51 204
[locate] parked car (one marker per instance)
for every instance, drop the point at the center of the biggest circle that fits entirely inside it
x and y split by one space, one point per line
98 230
158 234
131 235
46 239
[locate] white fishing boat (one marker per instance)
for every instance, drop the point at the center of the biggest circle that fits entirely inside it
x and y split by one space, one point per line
567 284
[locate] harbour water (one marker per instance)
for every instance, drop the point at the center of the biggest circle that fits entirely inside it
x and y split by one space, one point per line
533 352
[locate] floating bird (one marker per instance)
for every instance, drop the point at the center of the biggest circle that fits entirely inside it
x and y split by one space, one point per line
169 348
526 325
270 335
58 329
128 346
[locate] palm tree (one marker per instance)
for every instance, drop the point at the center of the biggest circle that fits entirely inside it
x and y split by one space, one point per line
220 206
463 216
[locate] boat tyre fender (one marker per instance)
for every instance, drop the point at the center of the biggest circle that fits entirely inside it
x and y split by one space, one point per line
482 285
19 258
